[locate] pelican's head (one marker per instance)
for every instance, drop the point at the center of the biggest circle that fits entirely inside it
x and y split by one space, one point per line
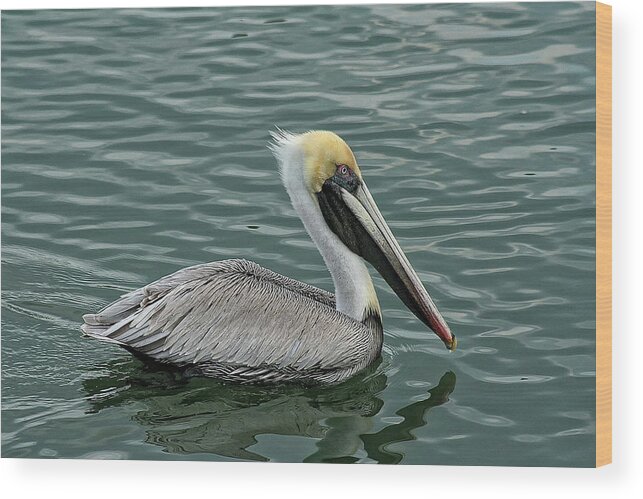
329 174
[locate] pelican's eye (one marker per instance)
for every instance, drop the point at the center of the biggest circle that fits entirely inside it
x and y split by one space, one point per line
346 178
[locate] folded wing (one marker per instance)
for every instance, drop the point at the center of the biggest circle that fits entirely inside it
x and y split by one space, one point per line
238 321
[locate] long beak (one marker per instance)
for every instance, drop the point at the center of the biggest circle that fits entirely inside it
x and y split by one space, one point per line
357 221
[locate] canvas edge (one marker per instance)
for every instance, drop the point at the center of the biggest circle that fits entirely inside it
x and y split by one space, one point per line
603 234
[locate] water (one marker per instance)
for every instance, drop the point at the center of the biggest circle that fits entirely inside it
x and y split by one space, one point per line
134 143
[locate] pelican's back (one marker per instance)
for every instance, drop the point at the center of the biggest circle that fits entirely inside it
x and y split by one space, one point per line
239 322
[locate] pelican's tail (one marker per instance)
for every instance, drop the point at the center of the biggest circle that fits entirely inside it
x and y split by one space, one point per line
99 325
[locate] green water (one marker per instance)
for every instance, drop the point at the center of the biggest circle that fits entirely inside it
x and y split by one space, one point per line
134 143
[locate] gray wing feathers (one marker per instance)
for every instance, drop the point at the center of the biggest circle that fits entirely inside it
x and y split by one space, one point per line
237 317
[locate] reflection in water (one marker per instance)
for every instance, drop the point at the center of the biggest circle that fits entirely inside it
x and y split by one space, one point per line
197 415
413 414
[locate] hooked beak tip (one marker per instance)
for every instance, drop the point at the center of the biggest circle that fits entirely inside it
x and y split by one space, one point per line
442 330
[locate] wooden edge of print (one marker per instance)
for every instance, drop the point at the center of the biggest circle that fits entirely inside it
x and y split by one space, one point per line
603 234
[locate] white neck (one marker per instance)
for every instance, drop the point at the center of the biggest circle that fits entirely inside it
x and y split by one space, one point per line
354 292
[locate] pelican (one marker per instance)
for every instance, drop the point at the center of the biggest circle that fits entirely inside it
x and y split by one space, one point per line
242 323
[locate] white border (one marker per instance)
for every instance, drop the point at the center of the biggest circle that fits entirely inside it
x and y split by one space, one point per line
87 4
112 479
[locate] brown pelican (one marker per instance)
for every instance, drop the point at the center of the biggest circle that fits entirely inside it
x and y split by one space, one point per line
239 322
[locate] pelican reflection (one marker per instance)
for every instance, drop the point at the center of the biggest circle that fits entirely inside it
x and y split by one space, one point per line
202 417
